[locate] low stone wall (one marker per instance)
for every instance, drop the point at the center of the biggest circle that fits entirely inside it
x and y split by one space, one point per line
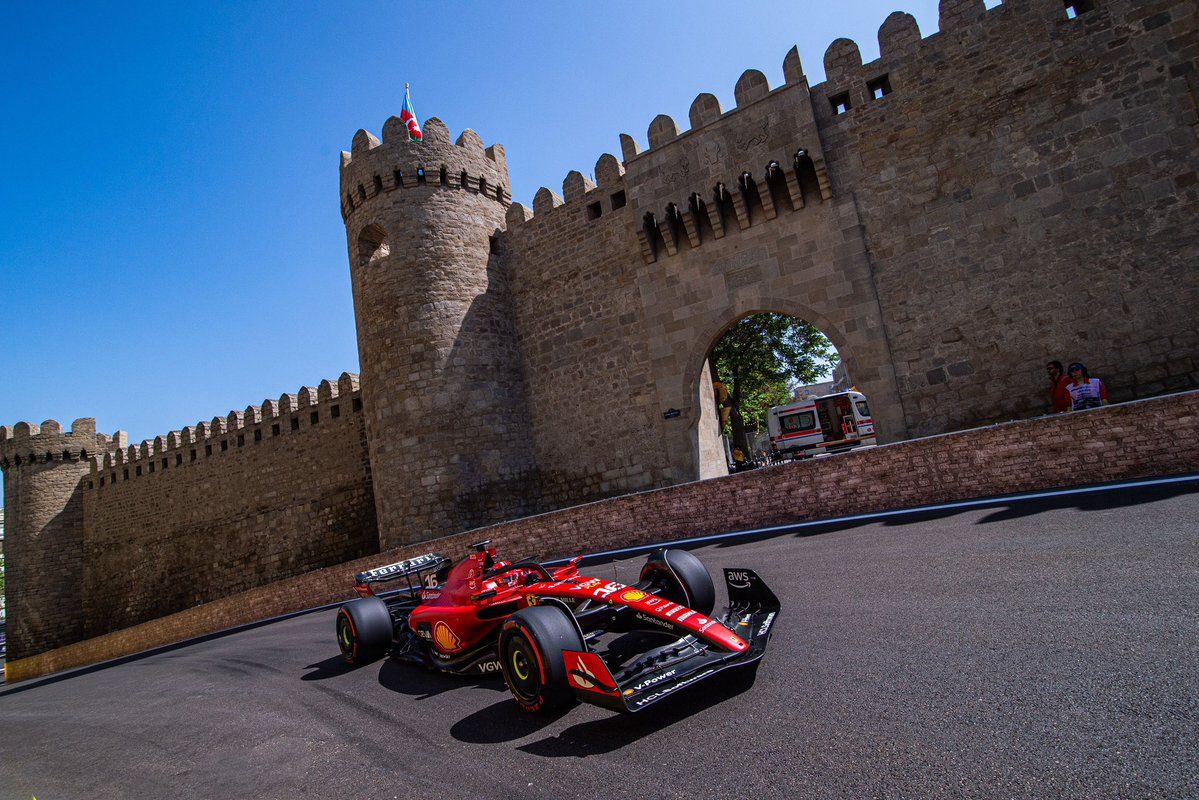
1131 440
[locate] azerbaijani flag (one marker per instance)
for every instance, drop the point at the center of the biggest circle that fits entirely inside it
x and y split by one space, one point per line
408 117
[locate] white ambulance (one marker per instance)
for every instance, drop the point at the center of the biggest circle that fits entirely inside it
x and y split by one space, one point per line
827 424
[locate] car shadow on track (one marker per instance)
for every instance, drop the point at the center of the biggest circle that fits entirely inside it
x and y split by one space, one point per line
329 668
503 722
422 684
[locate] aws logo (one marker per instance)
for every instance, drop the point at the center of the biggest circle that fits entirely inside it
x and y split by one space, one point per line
445 638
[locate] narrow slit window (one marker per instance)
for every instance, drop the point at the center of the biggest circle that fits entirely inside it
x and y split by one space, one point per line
295 423
314 417
699 213
1076 8
378 184
880 87
258 435
724 205
840 103
241 440
674 218
275 429
335 412
356 404
653 235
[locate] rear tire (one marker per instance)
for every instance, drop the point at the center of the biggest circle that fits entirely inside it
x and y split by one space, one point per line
530 650
364 630
686 579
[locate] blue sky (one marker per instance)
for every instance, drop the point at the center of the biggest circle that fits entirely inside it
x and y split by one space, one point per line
171 245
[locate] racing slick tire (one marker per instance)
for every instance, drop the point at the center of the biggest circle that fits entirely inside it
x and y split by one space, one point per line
687 580
364 630
530 649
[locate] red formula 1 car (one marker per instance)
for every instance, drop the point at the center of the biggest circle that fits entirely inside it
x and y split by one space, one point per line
556 635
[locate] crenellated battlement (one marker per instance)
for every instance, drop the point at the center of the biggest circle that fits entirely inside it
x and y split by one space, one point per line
773 161
592 200
927 210
900 43
330 402
374 169
26 443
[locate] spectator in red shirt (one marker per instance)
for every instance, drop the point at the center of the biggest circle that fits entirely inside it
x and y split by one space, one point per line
1059 395
1085 391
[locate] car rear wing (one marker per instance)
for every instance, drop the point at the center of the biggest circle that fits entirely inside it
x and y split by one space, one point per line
429 562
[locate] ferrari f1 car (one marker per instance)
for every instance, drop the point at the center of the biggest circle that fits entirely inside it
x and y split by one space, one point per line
556 635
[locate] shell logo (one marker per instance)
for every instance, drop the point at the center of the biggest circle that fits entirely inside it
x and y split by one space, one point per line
633 595
444 638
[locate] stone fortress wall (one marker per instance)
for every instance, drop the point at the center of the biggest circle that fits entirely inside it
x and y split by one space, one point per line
1019 186
110 535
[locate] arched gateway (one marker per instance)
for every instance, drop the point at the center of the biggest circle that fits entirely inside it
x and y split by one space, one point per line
515 361
948 228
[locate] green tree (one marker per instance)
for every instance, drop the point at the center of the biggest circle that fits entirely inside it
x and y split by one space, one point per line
761 360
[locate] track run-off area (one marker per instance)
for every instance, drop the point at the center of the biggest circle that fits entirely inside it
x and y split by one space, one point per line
1046 646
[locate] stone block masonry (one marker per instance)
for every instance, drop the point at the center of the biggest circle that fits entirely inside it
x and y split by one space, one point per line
107 535
1114 443
1018 186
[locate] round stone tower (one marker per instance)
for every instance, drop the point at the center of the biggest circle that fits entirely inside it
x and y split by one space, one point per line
445 408
44 471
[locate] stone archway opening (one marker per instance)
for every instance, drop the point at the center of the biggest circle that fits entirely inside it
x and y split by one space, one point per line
760 360
372 244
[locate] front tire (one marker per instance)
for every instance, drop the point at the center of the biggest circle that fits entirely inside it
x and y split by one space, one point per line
530 649
684 579
364 630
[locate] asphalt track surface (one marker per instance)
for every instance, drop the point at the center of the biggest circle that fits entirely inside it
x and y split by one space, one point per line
1026 649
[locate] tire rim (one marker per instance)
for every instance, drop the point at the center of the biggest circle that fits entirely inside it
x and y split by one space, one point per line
520 663
345 637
